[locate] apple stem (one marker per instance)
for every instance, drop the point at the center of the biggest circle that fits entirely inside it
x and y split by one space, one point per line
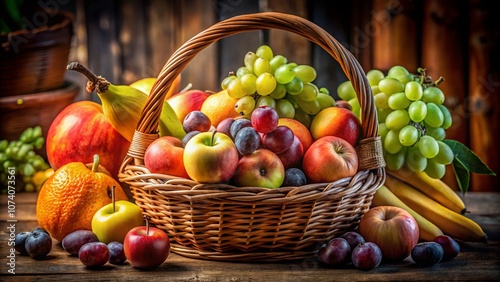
213 137
95 163
146 218
113 197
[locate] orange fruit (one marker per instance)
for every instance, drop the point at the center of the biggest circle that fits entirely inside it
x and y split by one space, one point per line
71 196
299 129
219 106
145 85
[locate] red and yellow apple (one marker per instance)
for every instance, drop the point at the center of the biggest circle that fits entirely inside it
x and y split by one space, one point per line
336 121
262 168
165 155
185 102
79 132
328 159
393 229
210 157
146 247
299 129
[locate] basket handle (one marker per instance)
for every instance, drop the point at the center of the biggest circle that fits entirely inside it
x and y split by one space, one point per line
148 123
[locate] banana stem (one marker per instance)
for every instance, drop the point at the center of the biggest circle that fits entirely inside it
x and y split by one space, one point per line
95 82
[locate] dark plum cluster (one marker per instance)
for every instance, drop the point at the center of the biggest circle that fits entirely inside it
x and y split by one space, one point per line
36 243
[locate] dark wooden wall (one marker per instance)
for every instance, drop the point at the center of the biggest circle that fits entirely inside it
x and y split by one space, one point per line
125 40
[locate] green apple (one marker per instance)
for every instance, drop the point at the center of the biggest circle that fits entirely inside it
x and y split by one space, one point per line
210 157
262 168
112 222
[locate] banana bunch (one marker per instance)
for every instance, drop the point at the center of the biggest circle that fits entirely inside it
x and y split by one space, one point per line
436 208
122 105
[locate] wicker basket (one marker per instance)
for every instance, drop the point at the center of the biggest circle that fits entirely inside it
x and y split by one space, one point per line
224 222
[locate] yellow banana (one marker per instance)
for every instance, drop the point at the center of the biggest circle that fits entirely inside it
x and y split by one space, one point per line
384 197
451 223
122 106
435 189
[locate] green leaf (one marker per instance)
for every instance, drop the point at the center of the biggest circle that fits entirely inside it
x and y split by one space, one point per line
462 175
467 158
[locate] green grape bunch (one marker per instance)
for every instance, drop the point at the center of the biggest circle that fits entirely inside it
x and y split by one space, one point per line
266 79
20 154
412 119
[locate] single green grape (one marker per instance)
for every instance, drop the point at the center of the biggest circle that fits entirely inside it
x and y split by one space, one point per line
382 114
245 105
434 117
248 83
249 60
261 66
398 101
437 133
265 84
325 100
445 155
355 107
295 86
374 76
391 142
276 62
375 90
415 161
305 73
235 89
345 91
395 161
266 101
225 82
279 91
285 109
397 71
447 118
413 90
417 111
309 92
284 74
242 71
381 100
403 78
434 95
408 135
390 85
397 120
435 170
382 130
302 116
265 52
310 107
428 146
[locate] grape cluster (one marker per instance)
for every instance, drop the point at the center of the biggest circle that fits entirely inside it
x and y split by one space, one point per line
20 156
270 80
412 119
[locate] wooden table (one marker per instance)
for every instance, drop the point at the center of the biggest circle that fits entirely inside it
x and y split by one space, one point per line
476 261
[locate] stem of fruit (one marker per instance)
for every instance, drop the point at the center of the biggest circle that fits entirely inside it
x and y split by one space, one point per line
113 197
146 218
213 137
95 82
95 164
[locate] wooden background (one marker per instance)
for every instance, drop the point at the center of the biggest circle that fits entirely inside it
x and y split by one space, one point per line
125 40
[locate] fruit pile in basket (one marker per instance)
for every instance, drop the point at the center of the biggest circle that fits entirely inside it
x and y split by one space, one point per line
269 126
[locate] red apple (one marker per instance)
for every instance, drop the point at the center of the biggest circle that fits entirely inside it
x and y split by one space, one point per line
186 102
210 157
146 247
292 157
329 159
393 229
79 132
165 155
336 121
262 168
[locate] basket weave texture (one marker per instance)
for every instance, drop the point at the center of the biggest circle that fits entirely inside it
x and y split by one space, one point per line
224 222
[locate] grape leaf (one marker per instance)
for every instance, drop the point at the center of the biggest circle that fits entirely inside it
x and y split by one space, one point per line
462 175
467 158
